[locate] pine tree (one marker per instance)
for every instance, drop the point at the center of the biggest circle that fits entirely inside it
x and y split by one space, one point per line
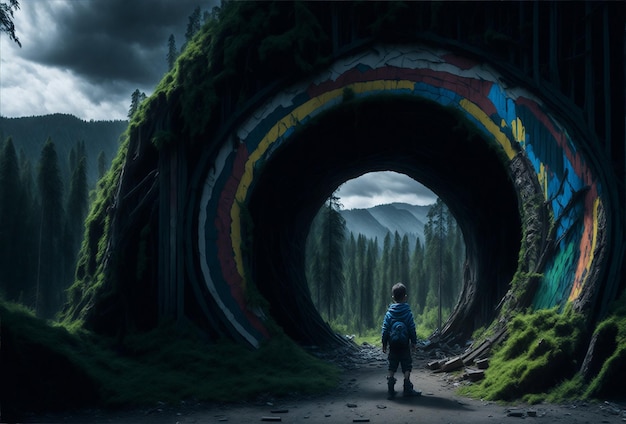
457 255
333 233
194 24
368 284
418 293
350 277
395 257
136 99
51 228
405 263
384 276
361 299
28 242
172 53
11 224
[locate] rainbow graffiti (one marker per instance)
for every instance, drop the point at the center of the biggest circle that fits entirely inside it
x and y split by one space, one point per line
511 117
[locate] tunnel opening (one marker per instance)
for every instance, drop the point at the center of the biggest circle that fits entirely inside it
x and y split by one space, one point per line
428 142
375 230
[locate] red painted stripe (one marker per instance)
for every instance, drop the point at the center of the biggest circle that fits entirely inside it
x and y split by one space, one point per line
224 242
472 89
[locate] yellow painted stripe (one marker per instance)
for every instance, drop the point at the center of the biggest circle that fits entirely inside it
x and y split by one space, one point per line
288 121
306 109
493 129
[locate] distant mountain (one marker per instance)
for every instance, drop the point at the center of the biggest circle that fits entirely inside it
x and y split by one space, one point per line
377 221
30 134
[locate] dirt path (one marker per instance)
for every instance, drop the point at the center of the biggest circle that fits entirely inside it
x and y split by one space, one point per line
361 397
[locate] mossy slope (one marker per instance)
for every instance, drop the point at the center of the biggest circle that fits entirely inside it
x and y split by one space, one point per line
49 367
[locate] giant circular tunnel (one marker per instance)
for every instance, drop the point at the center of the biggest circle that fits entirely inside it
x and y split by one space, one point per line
527 201
428 142
221 231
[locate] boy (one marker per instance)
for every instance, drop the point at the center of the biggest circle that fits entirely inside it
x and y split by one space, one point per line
398 338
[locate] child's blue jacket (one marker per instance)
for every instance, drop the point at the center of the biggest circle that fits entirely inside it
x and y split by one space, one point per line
398 312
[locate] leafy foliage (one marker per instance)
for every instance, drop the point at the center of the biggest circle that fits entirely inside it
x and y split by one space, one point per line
6 20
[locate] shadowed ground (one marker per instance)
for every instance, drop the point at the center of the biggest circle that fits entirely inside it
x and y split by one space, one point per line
361 397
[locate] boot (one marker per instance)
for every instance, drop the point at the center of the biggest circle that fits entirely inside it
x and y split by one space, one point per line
391 393
408 389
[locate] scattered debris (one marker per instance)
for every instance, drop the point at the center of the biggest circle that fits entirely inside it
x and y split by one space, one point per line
271 419
351 405
453 364
518 414
611 408
482 364
473 375
441 356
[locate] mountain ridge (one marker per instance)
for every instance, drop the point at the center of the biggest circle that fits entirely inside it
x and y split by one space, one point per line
375 222
30 133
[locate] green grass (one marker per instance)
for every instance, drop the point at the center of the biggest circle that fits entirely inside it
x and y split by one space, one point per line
56 367
541 359
609 381
372 336
539 354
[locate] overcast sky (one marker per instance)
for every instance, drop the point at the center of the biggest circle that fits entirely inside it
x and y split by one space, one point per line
380 188
86 57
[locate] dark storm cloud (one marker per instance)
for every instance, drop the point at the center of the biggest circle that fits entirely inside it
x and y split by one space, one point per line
376 184
379 188
103 41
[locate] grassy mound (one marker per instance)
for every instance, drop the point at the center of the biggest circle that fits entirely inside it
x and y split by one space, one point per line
541 351
608 382
541 359
50 367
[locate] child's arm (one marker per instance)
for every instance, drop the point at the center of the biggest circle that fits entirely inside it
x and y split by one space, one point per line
385 332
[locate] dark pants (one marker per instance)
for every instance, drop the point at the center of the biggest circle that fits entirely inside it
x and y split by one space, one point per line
402 357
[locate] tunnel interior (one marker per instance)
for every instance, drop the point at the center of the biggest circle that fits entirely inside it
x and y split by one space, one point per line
432 144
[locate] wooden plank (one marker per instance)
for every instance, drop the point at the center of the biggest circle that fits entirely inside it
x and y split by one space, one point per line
474 375
453 364
482 364
483 348
434 365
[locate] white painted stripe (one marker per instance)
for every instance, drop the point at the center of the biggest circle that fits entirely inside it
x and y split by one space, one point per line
204 266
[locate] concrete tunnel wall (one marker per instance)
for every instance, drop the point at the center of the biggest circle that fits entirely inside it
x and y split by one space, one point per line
511 118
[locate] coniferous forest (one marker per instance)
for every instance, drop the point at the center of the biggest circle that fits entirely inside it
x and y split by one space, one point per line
350 276
45 187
